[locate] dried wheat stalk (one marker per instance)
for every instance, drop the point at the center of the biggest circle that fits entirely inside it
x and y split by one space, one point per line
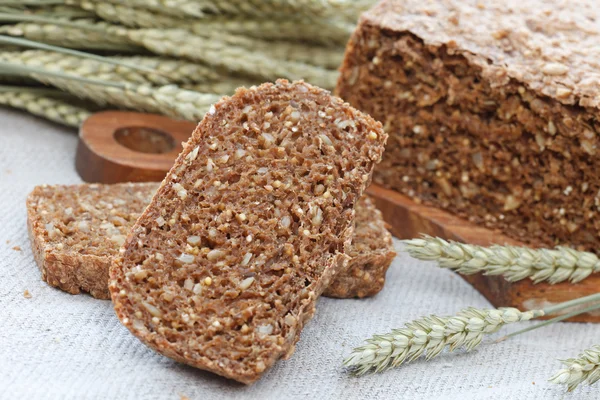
513 263
430 335
42 104
102 37
179 43
169 71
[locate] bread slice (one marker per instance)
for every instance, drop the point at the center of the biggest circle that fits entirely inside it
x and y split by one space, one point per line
75 231
89 222
371 254
224 266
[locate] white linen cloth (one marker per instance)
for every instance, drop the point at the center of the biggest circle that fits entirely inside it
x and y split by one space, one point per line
58 346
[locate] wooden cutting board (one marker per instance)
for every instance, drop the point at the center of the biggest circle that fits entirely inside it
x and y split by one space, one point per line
116 146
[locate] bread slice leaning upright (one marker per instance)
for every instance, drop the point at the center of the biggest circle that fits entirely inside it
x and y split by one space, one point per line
224 266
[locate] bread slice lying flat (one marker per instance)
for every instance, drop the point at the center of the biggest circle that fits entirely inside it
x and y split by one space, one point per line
224 267
371 254
76 230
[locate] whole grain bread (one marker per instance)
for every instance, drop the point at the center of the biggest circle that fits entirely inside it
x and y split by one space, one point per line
492 110
76 230
371 254
255 218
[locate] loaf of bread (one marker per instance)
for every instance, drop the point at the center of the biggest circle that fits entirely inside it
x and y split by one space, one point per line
76 230
492 110
223 268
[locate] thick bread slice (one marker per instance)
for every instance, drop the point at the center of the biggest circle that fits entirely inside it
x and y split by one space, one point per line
90 221
75 231
224 266
371 254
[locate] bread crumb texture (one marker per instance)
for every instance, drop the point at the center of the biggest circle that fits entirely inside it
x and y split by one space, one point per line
491 109
253 221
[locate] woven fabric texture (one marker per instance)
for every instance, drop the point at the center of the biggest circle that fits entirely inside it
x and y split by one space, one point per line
59 346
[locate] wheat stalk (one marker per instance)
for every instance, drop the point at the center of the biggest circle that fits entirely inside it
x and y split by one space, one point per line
80 55
59 11
328 58
586 367
164 71
319 30
44 104
169 100
176 8
179 43
131 17
91 35
311 8
430 335
316 30
325 57
512 262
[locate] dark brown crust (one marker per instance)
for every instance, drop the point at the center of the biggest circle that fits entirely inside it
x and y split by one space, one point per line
265 352
371 254
547 45
471 130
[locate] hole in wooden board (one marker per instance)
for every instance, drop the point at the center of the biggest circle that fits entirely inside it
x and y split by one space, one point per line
144 140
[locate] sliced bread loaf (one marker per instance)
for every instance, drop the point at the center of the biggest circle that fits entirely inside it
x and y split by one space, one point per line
255 218
492 109
76 230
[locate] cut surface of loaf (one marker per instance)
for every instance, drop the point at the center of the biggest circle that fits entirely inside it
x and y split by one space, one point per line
87 223
76 230
492 110
371 254
224 266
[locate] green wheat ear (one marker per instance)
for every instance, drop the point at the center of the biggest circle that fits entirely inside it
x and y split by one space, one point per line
584 368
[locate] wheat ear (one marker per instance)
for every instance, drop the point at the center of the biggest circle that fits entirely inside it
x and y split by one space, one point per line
325 57
430 335
163 71
584 368
44 104
179 43
176 8
316 30
512 262
169 100
91 35
131 17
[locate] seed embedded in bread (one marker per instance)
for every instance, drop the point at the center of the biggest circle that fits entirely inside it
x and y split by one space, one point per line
234 331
